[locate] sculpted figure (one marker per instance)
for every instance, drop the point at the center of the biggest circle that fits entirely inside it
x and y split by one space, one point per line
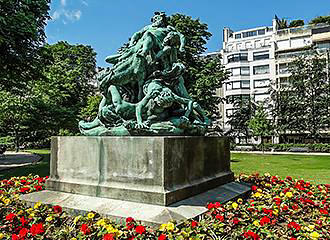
143 92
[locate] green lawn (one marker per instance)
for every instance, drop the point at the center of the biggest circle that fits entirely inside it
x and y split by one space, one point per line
41 168
308 167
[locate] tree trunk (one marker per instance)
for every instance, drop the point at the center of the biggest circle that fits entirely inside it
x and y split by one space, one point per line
16 141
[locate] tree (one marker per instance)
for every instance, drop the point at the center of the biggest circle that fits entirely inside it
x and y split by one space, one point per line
89 112
66 85
22 33
260 125
296 23
239 119
282 23
303 106
204 75
320 19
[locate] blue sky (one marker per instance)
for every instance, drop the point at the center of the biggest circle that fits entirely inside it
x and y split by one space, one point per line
107 24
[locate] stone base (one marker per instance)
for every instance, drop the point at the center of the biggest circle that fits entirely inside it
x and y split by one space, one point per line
152 215
152 170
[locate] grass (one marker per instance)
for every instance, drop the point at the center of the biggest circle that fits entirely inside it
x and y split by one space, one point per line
308 167
41 168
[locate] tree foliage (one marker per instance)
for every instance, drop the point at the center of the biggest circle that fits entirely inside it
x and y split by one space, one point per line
297 23
303 105
22 33
204 75
239 119
320 19
260 125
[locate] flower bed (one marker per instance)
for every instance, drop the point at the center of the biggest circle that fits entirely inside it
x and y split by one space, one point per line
276 209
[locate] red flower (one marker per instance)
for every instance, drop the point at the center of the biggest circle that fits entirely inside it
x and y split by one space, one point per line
129 220
289 178
23 221
24 189
235 221
140 229
37 229
285 208
254 188
14 237
324 211
10 217
217 205
251 234
129 226
108 236
210 206
23 181
194 224
23 233
220 217
264 220
57 209
295 206
162 237
85 229
38 187
294 225
293 238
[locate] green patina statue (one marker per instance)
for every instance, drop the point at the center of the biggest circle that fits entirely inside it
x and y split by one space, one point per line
144 92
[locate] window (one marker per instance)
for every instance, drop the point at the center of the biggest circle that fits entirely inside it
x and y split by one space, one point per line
248 45
261 32
325 44
261 83
260 97
245 84
260 55
238 57
244 71
234 98
229 86
229 112
263 69
283 68
238 36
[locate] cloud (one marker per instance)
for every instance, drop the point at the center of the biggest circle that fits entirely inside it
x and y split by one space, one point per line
63 3
67 15
84 3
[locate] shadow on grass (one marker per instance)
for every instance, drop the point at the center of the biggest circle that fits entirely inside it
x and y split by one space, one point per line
234 160
40 168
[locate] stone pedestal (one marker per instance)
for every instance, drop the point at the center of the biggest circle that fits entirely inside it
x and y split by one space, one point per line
152 170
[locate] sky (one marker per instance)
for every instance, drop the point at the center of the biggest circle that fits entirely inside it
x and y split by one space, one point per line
106 24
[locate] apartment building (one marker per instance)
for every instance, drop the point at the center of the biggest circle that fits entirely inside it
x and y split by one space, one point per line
258 58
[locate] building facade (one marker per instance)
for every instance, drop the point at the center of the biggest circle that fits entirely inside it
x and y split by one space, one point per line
258 59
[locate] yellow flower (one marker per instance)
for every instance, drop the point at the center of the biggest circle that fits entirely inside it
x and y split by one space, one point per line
111 229
7 201
257 194
20 212
314 235
76 219
90 215
29 210
289 194
311 227
275 212
31 215
101 222
268 185
2 235
170 226
49 219
267 174
240 200
234 205
281 194
163 227
37 205
73 238
259 190
256 223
